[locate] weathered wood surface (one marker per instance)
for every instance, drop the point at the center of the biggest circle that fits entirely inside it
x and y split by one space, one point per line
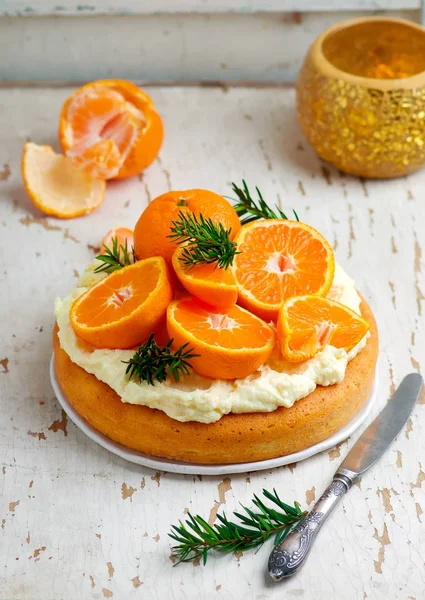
77 522
106 7
165 47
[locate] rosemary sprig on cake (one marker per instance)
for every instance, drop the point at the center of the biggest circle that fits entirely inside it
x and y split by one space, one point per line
204 241
196 538
250 210
152 363
115 258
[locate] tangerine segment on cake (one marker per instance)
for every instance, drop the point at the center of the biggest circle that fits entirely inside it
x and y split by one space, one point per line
306 324
123 309
234 438
279 259
110 128
230 345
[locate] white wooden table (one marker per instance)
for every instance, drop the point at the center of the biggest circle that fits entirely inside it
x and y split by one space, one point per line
77 522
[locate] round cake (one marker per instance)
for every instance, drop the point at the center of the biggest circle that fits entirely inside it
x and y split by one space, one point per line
234 438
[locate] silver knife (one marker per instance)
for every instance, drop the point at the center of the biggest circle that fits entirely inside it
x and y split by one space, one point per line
289 556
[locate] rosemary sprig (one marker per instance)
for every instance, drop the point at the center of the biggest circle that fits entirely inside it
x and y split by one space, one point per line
196 538
248 210
205 242
151 362
115 258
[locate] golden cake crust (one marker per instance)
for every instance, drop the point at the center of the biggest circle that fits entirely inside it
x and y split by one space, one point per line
235 438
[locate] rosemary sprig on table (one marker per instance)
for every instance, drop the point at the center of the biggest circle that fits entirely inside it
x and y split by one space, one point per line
249 210
151 362
115 258
205 242
196 538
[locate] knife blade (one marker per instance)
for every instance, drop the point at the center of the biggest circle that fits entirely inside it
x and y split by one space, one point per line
381 433
289 556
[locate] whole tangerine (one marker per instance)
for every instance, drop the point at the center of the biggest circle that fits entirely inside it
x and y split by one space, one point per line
153 226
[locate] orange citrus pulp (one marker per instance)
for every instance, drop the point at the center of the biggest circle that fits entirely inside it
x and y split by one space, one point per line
307 323
231 345
279 259
110 128
124 308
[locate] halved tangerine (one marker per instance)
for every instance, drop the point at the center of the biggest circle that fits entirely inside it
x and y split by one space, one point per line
110 128
123 309
56 186
279 259
307 323
214 286
231 345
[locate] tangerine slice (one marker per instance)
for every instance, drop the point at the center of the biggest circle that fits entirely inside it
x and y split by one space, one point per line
116 111
56 186
214 286
279 259
307 323
124 308
122 234
231 345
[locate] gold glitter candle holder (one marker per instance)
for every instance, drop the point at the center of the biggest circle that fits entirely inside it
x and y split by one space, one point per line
361 96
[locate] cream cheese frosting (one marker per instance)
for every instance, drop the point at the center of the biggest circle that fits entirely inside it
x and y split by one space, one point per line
196 398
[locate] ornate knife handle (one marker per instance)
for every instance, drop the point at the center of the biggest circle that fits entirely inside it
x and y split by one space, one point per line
289 556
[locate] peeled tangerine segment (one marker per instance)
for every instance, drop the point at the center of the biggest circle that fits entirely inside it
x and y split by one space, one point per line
102 127
122 310
308 323
118 111
56 186
102 160
98 114
279 259
231 344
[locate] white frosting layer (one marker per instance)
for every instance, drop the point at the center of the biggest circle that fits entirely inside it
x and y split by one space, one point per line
197 398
